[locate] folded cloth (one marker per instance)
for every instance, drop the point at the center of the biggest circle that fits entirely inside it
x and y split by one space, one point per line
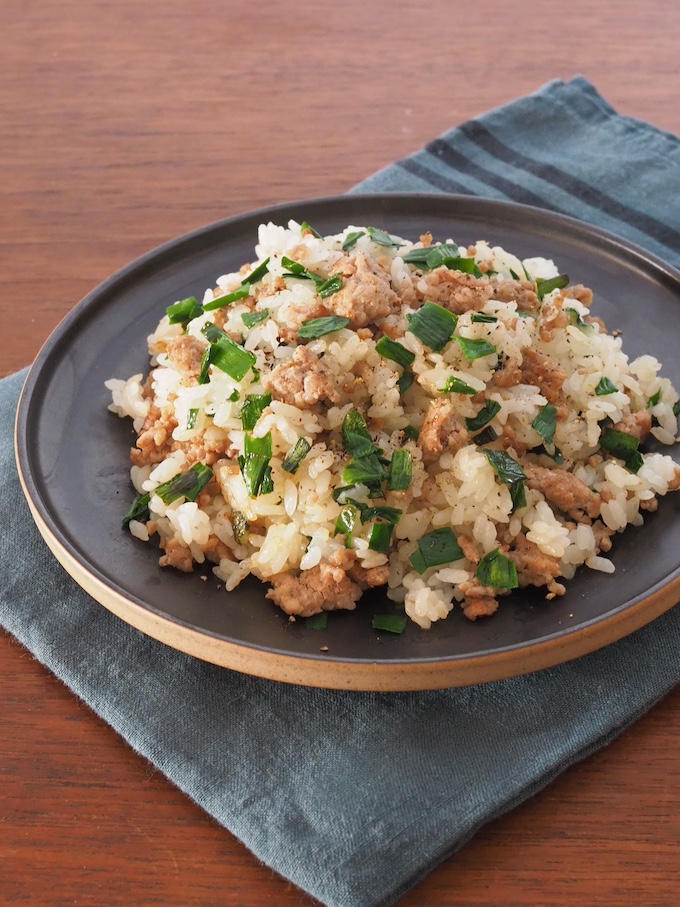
354 797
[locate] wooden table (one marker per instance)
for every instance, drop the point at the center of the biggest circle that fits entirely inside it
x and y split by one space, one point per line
124 124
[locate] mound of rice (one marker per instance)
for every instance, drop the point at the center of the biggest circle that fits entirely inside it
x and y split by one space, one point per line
359 410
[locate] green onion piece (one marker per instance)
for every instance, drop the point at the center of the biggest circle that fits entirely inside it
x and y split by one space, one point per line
380 538
250 319
654 399
543 287
381 238
676 408
317 621
461 263
623 446
436 256
401 471
484 416
239 525
513 275
497 571
390 514
418 257
212 332
518 495
318 327
526 273
257 274
254 464
351 239
223 301
298 270
231 358
307 228
296 455
204 374
233 396
475 349
488 436
356 437
456 386
405 381
390 623
483 318
364 470
330 286
346 521
506 468
253 407
435 548
192 416
545 423
575 319
604 387
139 510
411 433
184 311
433 325
188 484
396 352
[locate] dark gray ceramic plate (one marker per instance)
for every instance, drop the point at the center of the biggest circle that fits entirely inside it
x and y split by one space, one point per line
73 458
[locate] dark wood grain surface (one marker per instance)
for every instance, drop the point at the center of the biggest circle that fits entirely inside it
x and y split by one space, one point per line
125 124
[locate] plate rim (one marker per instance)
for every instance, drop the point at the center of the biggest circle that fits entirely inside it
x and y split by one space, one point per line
434 672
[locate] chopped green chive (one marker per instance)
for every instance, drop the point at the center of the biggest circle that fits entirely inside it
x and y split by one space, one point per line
318 327
411 433
330 286
545 423
296 455
435 548
184 311
239 525
488 436
676 408
475 349
461 263
317 621
297 270
192 416
381 238
307 228
575 319
396 352
228 356
356 437
257 274
254 464
228 299
623 446
457 386
506 468
253 407
497 571
484 416
433 325
654 399
204 374
390 623
439 255
401 471
364 470
604 387
380 538
345 523
543 287
139 510
483 318
250 319
188 484
405 381
390 514
351 239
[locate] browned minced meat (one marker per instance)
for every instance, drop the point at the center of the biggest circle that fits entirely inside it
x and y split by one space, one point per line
185 354
522 292
534 568
205 449
323 588
553 319
510 441
603 536
595 319
366 293
543 372
296 315
456 291
155 438
580 294
302 381
674 483
565 490
480 600
367 578
469 549
509 374
442 431
636 424
177 555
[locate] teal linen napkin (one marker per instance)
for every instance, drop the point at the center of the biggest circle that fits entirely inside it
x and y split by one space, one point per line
354 797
